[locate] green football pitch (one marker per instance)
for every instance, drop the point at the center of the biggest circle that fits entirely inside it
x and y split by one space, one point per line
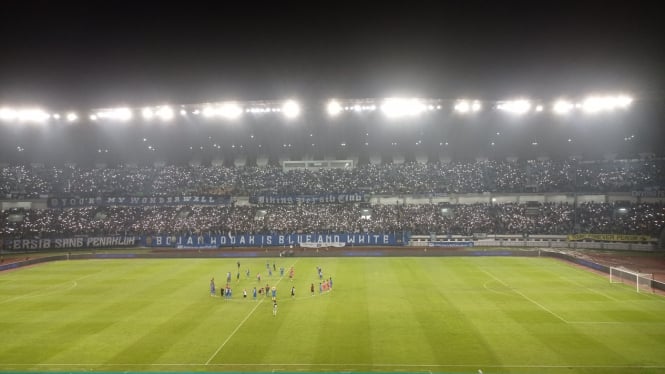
418 315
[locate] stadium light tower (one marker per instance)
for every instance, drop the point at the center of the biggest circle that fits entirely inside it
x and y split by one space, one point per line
291 109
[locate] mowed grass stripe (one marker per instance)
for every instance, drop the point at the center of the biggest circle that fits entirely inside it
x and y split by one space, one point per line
383 312
585 347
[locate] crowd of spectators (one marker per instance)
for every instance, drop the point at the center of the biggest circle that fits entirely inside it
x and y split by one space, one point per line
408 178
520 219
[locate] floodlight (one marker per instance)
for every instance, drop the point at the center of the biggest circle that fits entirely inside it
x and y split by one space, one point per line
165 113
334 108
71 117
230 110
291 109
56 116
400 107
118 114
122 114
562 107
209 111
7 114
539 108
183 112
462 106
32 115
465 106
520 106
147 113
624 101
594 104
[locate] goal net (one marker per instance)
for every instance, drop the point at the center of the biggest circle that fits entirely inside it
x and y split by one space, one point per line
641 281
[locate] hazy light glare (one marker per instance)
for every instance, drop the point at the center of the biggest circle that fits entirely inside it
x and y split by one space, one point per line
519 106
334 108
291 109
462 106
400 107
230 110
562 107
116 114
33 115
226 110
165 113
71 117
147 113
7 114
594 104
208 111
465 106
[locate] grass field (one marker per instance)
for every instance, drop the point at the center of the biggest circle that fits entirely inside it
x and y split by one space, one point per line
439 315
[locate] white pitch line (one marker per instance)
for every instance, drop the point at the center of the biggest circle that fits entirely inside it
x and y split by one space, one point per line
526 297
48 290
241 323
374 365
582 285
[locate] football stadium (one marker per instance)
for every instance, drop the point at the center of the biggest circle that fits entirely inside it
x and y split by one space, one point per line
318 227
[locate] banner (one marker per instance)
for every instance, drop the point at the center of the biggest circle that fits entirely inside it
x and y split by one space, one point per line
249 240
610 237
657 193
73 243
323 245
450 244
78 202
357 197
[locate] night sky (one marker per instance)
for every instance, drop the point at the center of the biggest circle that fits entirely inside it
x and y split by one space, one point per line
97 53
81 55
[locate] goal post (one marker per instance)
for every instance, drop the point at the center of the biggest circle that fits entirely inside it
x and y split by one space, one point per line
641 281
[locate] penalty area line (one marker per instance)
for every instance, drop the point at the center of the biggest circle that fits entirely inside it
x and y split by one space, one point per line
526 297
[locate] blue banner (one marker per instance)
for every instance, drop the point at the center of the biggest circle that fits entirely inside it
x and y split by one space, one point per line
356 197
450 244
248 240
78 202
73 243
